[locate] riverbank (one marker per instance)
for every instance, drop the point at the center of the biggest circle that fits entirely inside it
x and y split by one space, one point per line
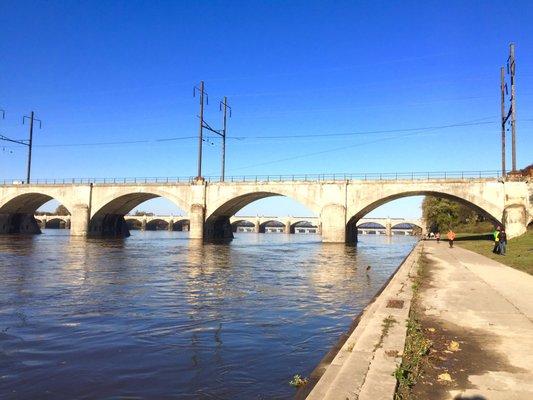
519 250
473 329
364 366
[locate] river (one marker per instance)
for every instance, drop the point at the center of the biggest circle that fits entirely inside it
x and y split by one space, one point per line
157 316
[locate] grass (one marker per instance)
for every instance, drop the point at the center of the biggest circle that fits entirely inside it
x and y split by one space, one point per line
519 252
417 346
298 381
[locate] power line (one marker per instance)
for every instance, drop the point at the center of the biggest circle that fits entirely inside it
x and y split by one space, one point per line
460 124
329 150
279 137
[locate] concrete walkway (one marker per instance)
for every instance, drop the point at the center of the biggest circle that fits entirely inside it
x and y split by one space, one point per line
483 302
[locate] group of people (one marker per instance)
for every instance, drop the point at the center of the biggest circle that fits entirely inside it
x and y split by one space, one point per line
450 235
500 241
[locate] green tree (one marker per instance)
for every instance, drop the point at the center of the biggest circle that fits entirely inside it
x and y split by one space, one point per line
440 214
443 214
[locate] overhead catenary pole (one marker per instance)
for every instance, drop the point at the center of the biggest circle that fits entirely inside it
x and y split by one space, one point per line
30 142
200 130
224 106
512 69
204 125
502 89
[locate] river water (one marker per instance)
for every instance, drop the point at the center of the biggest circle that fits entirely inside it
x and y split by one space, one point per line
157 316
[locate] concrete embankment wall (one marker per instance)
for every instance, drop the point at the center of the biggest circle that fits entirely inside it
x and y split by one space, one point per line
363 367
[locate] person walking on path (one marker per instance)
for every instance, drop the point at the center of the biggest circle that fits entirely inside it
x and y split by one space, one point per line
496 234
437 236
451 237
502 239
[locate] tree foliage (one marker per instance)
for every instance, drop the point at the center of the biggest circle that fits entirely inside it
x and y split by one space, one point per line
140 213
443 214
61 210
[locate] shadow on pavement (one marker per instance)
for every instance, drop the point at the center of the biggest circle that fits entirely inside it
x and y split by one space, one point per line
484 236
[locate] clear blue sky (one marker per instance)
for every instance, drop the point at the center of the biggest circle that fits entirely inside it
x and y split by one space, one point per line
119 71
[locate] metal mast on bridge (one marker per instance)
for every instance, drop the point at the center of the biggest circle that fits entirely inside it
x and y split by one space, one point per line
202 92
204 125
511 114
30 141
511 70
224 107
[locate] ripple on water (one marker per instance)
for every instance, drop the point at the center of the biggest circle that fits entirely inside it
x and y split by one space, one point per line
156 315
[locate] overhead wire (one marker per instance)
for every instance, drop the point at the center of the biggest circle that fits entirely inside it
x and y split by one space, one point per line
307 136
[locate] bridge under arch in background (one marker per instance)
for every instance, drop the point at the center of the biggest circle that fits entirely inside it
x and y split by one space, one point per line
99 209
173 223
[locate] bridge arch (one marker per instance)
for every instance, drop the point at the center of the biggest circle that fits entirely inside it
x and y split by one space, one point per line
217 219
152 224
133 222
271 223
303 224
181 224
405 225
241 222
55 222
481 206
108 213
17 211
371 225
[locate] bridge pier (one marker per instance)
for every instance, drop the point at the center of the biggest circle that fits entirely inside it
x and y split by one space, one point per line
333 217
79 220
388 227
196 221
257 225
351 233
515 220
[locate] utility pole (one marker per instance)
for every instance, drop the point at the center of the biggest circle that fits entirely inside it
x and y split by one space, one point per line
200 131
204 125
224 107
502 89
512 70
30 141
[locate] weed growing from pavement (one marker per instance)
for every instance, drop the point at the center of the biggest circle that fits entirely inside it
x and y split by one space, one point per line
416 345
385 327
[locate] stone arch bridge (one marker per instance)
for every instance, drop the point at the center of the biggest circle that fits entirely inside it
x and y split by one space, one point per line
99 209
257 223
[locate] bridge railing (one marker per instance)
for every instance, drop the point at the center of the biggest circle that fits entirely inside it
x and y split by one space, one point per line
372 176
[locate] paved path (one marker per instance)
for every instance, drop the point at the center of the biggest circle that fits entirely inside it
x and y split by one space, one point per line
492 305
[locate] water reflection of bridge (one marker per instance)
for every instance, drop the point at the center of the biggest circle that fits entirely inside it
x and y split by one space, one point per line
258 224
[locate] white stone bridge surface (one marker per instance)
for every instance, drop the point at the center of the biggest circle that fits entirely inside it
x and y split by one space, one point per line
99 208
